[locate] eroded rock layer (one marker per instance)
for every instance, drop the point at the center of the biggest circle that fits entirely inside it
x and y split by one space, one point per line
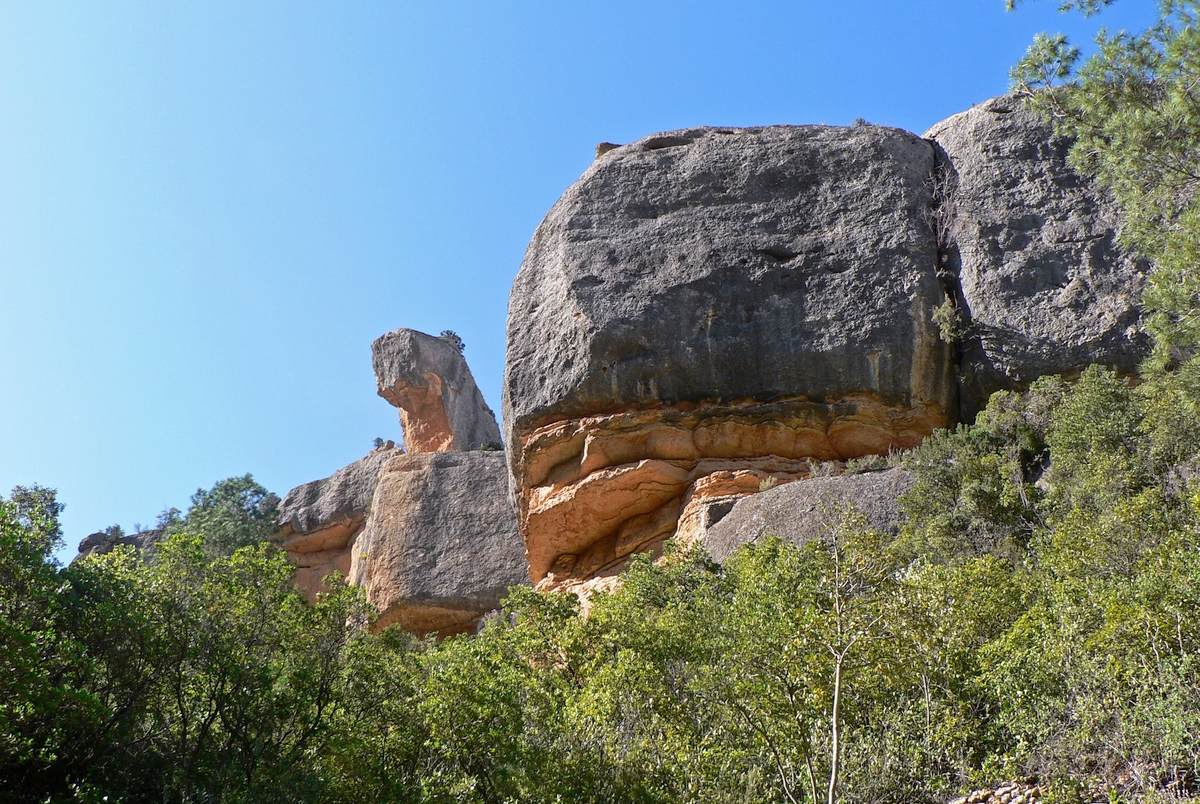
441 407
319 522
594 490
708 311
441 546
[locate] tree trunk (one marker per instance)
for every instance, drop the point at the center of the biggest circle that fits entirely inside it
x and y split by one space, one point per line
835 730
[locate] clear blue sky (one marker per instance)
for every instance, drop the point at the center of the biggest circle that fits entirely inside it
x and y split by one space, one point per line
209 210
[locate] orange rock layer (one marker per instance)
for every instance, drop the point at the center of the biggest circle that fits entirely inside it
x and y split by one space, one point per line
322 552
595 490
422 415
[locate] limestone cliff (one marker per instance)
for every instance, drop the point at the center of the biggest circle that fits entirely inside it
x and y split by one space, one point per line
320 522
441 545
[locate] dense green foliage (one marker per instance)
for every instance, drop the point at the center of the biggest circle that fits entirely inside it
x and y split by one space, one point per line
235 512
1039 616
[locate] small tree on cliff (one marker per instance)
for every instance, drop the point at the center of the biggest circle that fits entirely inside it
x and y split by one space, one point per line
451 337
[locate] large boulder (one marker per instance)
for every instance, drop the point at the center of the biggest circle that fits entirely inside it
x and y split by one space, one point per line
441 547
319 522
718 303
800 512
1045 285
427 378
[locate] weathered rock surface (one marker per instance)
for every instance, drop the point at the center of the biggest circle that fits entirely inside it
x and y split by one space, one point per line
427 378
441 546
799 512
100 542
707 311
1044 282
319 522
718 300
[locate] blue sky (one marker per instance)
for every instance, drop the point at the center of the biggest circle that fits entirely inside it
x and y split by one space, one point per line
209 210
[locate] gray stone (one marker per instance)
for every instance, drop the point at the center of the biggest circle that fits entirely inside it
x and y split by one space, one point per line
806 509
427 378
100 542
705 300
714 264
319 522
343 496
1045 284
441 547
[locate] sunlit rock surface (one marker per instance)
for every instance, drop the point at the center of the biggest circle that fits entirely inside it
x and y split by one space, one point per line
319 522
426 377
707 308
1045 286
441 546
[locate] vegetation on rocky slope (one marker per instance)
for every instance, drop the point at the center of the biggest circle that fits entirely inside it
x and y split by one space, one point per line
1038 617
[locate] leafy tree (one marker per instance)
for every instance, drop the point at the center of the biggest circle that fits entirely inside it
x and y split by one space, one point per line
1134 114
236 512
76 663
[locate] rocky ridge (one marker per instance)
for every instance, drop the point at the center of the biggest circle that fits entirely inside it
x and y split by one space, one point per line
101 542
710 312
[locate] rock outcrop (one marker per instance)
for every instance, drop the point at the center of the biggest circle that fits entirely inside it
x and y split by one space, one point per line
101 542
427 378
320 522
429 534
1045 287
441 546
799 512
710 307
708 311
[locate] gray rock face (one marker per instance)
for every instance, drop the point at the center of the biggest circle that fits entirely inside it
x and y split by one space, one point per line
806 509
441 547
703 300
427 378
345 495
1045 283
99 543
740 295
319 522
721 264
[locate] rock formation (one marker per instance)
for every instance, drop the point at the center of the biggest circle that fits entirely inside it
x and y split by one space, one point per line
707 311
1045 287
320 522
441 546
429 534
101 542
710 307
427 378
799 512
